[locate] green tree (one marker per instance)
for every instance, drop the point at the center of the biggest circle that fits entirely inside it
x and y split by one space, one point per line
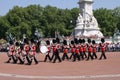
116 14
48 20
106 20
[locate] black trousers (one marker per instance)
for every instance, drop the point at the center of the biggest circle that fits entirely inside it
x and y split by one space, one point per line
27 58
47 56
103 55
89 56
72 55
65 56
32 57
94 55
53 55
56 57
76 56
81 55
11 57
20 60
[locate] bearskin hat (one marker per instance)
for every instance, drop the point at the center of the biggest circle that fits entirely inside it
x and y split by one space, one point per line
72 42
80 41
54 41
32 40
93 41
102 40
26 41
89 40
57 40
48 42
76 41
65 42
17 44
83 40
11 42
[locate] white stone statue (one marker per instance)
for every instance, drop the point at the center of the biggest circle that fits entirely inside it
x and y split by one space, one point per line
94 22
79 19
86 23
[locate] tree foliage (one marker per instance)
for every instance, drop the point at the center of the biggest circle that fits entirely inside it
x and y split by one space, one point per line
48 20
107 22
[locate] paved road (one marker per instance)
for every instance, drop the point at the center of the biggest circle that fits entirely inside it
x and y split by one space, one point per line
67 70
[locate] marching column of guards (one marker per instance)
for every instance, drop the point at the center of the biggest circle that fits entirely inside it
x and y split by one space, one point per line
78 50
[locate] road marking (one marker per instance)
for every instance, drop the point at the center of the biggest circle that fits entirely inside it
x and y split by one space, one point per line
60 77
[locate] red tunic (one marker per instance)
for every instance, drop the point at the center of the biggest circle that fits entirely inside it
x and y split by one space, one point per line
18 50
89 47
94 48
72 48
12 49
54 49
65 50
77 49
84 48
26 48
33 49
80 48
102 47
48 49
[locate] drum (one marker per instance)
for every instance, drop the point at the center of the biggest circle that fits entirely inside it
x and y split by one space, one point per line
43 49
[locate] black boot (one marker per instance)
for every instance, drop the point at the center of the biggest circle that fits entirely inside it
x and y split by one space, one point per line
8 60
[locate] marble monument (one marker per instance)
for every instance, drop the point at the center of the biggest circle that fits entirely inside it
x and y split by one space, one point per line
86 23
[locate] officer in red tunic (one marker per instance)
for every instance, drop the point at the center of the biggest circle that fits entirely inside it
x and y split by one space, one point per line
33 52
94 49
11 52
49 49
65 50
102 47
18 53
89 46
76 55
72 49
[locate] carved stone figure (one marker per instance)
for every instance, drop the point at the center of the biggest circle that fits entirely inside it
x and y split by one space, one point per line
86 23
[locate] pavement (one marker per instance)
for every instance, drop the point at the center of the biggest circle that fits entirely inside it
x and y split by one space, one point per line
108 69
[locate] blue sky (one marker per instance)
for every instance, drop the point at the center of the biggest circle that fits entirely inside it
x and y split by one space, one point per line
6 5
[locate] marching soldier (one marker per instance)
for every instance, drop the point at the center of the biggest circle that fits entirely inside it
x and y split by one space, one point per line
55 52
25 51
11 52
65 50
76 55
49 49
18 53
102 46
33 52
94 49
89 46
81 49
53 48
84 48
72 48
